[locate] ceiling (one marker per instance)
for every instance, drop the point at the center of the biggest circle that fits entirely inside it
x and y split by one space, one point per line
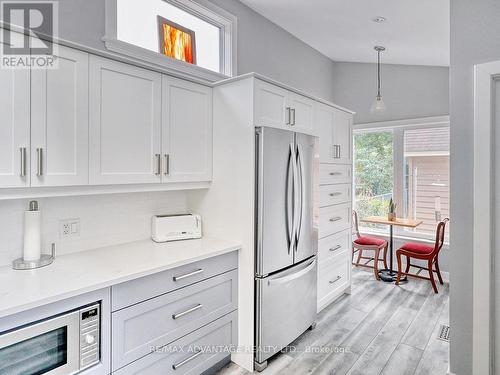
415 32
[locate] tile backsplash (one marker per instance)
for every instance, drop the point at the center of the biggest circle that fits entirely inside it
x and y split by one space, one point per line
104 220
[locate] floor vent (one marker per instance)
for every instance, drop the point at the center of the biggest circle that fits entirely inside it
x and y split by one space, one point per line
444 333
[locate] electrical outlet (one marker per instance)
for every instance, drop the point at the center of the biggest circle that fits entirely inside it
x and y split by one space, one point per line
69 228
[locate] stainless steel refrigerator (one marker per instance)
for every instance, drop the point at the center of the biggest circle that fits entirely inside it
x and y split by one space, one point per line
287 165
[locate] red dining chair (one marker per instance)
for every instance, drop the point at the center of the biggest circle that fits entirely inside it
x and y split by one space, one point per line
425 253
365 243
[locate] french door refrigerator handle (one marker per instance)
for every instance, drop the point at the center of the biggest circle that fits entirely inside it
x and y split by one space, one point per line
293 276
302 200
292 211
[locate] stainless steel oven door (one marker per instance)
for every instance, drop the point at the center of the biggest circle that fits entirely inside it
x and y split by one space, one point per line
50 347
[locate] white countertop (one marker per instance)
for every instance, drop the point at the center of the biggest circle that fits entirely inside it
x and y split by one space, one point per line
90 270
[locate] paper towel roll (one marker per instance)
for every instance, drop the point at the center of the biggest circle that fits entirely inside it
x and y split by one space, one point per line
32 249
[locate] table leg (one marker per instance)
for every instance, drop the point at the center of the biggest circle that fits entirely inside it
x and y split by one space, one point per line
390 275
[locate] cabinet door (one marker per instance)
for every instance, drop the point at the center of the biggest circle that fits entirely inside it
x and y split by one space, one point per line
271 105
59 121
125 123
324 119
14 127
187 131
302 110
343 136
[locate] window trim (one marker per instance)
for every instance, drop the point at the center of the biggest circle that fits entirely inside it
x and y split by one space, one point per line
203 9
398 127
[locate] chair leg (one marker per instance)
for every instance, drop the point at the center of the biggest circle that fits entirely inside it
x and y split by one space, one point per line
385 256
353 252
407 264
375 264
431 275
360 254
438 271
398 279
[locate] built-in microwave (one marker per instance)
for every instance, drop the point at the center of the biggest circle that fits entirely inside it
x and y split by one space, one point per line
64 344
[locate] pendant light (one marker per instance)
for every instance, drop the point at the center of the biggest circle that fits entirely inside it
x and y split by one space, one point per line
378 105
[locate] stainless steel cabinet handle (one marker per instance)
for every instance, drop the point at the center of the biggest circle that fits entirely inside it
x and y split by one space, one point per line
335 173
336 218
188 311
335 194
335 248
187 360
158 164
39 164
195 272
338 151
167 164
335 280
292 121
23 161
288 115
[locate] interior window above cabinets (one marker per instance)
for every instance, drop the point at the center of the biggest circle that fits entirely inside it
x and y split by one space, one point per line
59 121
279 108
125 123
14 127
333 127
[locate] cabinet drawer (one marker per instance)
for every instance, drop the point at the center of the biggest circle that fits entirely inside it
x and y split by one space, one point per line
331 246
220 334
161 320
334 194
334 219
335 174
138 290
334 276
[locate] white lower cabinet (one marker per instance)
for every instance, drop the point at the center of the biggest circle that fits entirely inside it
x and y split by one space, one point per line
192 354
334 278
186 330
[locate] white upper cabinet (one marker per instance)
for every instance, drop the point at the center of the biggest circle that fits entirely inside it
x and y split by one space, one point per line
302 113
187 131
14 127
279 108
333 126
271 105
125 123
59 121
342 136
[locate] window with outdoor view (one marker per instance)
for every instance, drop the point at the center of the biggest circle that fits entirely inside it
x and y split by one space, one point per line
409 164
373 172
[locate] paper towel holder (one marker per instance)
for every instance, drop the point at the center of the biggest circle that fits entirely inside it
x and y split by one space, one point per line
45 260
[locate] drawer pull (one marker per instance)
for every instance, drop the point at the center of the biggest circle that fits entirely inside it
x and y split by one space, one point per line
337 218
336 194
187 360
188 311
335 248
181 277
335 173
334 281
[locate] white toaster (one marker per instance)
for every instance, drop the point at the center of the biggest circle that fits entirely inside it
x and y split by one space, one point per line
175 227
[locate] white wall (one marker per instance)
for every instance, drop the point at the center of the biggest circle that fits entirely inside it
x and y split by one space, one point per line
408 91
104 219
263 47
475 39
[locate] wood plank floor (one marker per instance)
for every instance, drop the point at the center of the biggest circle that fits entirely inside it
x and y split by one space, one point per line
379 329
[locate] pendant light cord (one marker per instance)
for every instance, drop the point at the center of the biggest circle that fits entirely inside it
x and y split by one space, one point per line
378 74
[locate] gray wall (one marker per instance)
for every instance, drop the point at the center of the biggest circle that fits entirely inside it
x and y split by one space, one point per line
263 47
475 38
408 91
